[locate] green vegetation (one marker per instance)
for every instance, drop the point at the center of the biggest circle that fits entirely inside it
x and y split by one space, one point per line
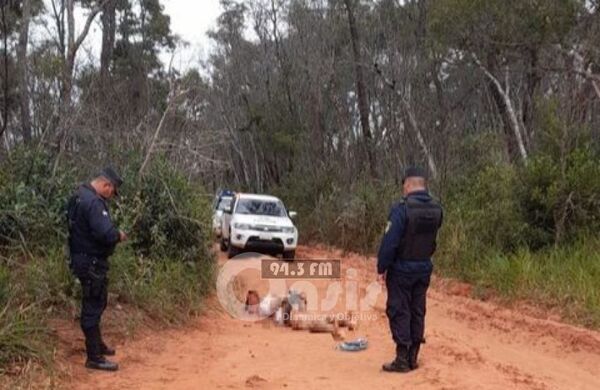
325 105
526 232
163 272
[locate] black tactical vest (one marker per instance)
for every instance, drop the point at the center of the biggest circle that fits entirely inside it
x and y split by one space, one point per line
423 220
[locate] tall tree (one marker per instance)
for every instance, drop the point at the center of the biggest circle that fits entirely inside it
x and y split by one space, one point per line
74 42
361 89
23 69
109 30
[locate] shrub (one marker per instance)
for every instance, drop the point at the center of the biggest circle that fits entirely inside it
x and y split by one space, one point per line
165 270
488 210
561 196
165 214
352 217
32 195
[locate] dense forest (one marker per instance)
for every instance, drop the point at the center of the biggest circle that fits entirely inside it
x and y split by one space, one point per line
324 103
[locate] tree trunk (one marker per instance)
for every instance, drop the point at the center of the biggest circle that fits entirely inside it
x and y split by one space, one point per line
532 82
73 44
69 61
511 144
5 81
361 90
22 70
283 62
109 27
512 128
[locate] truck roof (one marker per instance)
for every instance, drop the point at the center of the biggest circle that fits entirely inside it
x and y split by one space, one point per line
258 196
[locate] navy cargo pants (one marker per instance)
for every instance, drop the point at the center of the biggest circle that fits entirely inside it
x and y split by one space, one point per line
406 304
92 274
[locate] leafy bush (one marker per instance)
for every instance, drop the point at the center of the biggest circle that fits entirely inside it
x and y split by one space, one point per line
561 199
350 217
165 270
530 232
165 214
490 209
32 195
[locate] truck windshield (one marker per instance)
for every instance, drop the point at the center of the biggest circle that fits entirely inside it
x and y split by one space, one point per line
260 207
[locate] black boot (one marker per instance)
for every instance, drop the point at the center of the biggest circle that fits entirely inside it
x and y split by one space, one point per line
101 363
105 349
95 359
413 355
400 364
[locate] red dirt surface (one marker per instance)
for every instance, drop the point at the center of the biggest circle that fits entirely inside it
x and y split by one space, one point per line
470 345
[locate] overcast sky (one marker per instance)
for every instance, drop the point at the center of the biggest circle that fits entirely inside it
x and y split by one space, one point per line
190 19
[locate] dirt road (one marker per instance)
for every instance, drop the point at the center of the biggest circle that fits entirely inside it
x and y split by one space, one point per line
470 345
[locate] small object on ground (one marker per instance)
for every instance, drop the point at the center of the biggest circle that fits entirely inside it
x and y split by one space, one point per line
354 345
254 381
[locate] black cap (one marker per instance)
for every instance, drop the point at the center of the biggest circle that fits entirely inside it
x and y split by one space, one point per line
414 171
113 177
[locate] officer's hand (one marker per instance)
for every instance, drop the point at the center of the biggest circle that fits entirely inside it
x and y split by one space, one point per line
381 279
122 236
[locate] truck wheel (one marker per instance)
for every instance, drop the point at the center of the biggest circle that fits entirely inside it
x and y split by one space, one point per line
289 255
223 245
232 252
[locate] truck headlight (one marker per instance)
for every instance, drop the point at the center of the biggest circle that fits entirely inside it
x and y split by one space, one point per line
241 226
288 230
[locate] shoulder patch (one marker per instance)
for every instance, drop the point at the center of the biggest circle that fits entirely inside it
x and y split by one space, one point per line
400 202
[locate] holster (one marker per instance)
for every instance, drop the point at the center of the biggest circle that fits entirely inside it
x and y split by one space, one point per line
95 282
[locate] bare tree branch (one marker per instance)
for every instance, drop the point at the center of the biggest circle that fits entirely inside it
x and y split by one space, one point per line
86 29
413 121
173 98
504 92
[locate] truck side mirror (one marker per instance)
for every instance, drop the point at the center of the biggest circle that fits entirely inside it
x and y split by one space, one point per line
293 214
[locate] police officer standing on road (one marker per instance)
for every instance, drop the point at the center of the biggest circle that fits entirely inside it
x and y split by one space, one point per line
404 264
92 239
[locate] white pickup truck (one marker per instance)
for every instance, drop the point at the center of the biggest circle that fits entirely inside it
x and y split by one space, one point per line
258 223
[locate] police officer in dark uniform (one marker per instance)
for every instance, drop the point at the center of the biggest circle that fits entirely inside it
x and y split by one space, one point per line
92 239
404 264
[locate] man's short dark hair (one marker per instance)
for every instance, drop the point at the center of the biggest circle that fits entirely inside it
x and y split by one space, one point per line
414 171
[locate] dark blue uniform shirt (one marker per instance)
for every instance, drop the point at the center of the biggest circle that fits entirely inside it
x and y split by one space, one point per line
388 251
91 230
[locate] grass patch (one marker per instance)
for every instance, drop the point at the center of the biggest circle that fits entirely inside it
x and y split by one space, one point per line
564 278
169 291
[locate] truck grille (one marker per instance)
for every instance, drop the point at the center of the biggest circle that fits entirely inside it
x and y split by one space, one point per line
267 228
